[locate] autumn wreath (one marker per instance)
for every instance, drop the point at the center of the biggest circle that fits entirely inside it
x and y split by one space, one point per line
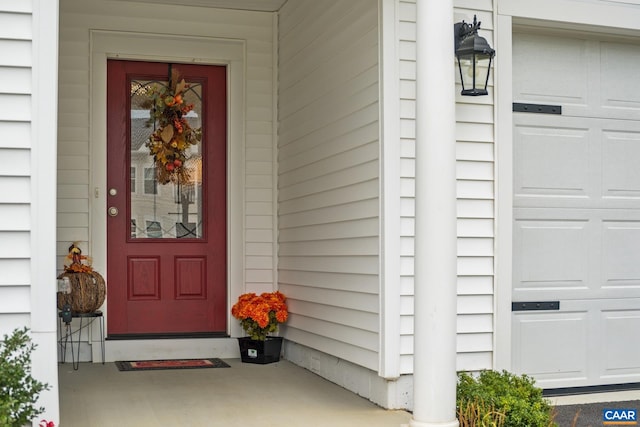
169 142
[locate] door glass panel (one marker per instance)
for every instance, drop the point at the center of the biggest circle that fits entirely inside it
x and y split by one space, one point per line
163 211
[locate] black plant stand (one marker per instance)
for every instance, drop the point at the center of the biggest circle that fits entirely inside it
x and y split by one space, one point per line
67 335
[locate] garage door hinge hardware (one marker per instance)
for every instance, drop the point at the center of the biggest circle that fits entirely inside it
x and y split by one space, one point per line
536 108
535 305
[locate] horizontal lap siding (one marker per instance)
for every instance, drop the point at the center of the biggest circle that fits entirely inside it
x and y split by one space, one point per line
74 192
328 195
15 170
73 135
475 193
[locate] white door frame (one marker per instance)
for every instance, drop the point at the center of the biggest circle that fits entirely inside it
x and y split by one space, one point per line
196 50
504 193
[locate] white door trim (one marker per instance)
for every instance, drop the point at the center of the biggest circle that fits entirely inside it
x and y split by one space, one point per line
162 47
564 14
504 196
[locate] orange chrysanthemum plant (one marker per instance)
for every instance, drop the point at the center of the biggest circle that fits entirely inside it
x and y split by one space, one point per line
260 315
169 143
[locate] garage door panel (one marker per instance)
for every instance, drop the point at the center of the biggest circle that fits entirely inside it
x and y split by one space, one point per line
621 254
558 76
565 173
561 355
620 353
584 76
576 254
554 254
614 78
576 162
620 175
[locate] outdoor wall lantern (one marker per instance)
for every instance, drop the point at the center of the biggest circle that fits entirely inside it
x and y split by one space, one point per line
474 58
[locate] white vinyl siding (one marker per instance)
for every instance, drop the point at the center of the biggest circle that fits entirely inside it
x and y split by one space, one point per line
475 192
407 67
15 170
255 29
328 195
476 196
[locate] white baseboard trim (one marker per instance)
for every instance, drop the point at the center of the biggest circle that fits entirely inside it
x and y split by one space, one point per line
389 394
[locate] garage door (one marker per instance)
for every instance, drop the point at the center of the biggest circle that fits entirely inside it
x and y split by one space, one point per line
576 231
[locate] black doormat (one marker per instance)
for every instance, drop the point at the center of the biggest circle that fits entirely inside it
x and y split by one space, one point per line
154 365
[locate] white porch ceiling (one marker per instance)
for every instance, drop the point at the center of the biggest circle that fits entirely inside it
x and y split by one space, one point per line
260 5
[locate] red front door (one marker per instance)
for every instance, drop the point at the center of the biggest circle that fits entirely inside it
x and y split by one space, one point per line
166 242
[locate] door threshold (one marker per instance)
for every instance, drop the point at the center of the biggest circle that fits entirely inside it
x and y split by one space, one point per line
179 335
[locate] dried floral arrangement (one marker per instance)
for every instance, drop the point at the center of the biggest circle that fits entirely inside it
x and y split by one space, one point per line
169 142
79 263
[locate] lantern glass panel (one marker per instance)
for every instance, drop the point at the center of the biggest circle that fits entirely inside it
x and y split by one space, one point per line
474 73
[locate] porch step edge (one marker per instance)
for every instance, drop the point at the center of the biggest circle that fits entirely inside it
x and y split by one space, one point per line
179 348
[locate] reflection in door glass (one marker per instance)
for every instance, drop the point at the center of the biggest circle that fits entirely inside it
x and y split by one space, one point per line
163 211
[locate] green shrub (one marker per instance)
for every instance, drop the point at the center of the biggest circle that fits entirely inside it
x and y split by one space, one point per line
18 389
504 394
478 414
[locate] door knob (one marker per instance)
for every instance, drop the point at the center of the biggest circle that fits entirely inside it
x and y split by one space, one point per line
113 211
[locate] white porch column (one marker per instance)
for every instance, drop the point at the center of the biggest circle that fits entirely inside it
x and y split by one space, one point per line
434 372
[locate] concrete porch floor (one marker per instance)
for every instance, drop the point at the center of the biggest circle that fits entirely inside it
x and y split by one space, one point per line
279 394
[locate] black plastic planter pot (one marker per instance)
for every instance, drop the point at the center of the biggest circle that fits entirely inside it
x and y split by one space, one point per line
260 352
